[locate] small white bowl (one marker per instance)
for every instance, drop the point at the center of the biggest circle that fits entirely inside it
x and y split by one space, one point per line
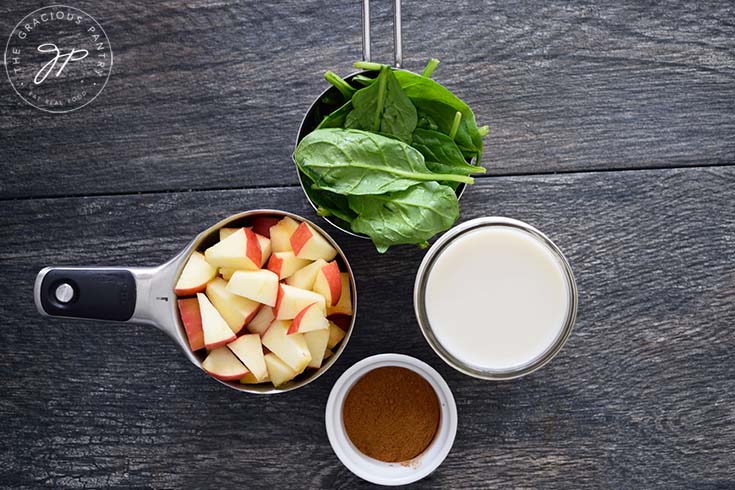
376 471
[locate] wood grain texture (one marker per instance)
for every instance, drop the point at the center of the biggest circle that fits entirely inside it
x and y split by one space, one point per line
642 396
209 95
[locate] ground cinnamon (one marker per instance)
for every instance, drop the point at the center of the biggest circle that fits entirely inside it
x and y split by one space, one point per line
391 414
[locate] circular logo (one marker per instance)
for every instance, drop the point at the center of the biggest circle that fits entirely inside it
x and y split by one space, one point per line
58 59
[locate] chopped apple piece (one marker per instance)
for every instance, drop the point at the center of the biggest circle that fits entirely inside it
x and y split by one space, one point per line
236 310
195 276
328 283
249 379
260 286
222 364
240 250
281 234
309 244
262 225
305 278
249 350
291 349
291 301
344 305
327 354
265 248
225 232
226 273
192 320
216 331
336 335
309 319
262 320
316 341
285 264
278 371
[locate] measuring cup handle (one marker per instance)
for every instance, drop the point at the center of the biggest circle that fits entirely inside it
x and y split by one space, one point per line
98 293
397 41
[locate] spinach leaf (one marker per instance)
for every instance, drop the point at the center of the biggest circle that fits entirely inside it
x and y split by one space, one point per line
362 80
382 107
349 161
411 216
438 116
337 118
441 153
328 203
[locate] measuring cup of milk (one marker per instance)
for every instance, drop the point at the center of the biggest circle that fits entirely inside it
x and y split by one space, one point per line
495 298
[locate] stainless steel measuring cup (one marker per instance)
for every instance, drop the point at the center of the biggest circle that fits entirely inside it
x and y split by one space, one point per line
146 295
313 115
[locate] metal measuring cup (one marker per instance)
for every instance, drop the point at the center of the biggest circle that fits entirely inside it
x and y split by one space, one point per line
312 117
145 295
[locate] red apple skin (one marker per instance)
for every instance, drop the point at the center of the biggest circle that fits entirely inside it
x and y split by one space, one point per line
192 319
275 265
296 322
278 302
300 236
342 321
225 378
331 273
242 329
253 251
221 342
262 225
191 291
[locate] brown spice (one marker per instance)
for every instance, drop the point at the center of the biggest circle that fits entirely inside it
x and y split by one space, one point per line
391 414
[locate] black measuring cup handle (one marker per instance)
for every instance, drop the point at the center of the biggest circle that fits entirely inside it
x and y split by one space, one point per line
98 293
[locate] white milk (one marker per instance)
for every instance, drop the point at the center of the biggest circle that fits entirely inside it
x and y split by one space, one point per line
497 298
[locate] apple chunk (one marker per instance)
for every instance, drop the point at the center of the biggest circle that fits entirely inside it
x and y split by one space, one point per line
292 300
192 319
249 379
236 310
278 371
222 364
280 234
305 278
316 341
240 250
262 320
328 283
344 305
307 243
336 335
216 331
291 349
286 264
195 276
310 318
226 273
260 286
225 232
249 350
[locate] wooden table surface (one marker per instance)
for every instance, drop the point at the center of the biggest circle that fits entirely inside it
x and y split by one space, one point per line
612 130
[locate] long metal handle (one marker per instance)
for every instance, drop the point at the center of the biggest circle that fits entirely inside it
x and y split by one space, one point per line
397 43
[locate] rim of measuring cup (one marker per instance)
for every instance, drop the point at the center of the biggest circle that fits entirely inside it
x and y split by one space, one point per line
305 129
380 472
419 300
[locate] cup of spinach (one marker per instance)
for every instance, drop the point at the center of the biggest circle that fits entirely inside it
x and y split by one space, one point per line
385 154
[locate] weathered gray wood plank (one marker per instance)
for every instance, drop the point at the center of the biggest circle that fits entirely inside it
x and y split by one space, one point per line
641 397
209 95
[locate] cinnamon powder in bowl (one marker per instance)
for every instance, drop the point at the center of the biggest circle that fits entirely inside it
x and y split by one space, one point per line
391 419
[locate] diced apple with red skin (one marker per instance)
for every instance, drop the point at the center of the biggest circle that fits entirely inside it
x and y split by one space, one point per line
262 320
249 350
215 329
240 250
336 335
226 273
236 310
309 319
344 305
305 278
192 320
291 349
222 364
328 283
280 234
195 276
292 300
316 341
278 371
307 243
265 248
249 379
260 286
285 264
225 232
262 225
